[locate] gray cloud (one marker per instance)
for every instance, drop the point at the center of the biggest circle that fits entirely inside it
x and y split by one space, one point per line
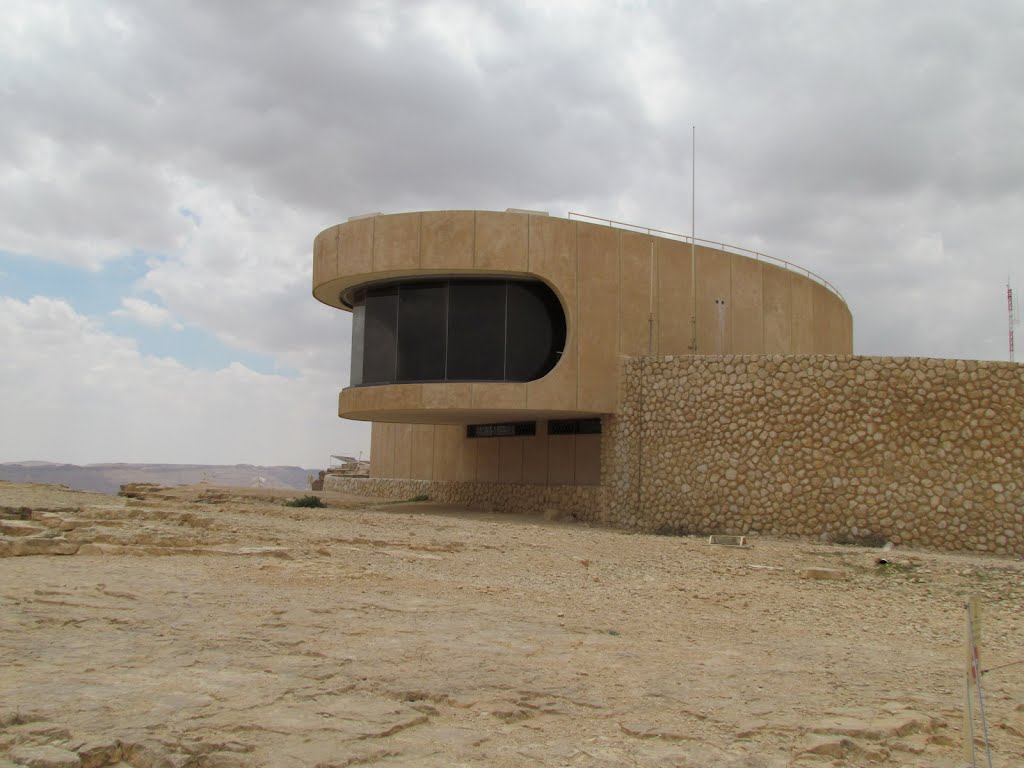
877 144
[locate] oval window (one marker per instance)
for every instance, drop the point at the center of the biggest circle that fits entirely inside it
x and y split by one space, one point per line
455 330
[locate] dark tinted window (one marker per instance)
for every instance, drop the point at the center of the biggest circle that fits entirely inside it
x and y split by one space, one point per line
380 335
476 331
421 331
455 330
358 334
536 331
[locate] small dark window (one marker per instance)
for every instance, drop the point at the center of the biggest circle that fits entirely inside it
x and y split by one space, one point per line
574 427
512 429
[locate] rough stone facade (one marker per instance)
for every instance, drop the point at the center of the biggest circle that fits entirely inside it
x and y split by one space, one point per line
910 450
916 451
580 501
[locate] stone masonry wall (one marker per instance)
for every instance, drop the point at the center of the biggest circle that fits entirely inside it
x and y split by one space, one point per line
911 450
581 501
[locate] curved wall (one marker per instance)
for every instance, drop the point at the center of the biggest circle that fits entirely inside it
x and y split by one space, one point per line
624 294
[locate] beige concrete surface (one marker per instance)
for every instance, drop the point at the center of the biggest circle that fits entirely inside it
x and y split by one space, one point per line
396 242
778 308
448 238
487 460
214 627
675 298
444 453
747 301
603 277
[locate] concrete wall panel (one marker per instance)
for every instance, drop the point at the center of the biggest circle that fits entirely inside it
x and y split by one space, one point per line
382 459
325 254
454 395
422 458
588 460
447 240
553 254
803 314
355 247
635 294
562 460
491 395
382 451
510 459
487 459
845 344
747 316
535 457
402 435
778 308
396 242
839 333
597 337
502 241
466 469
675 297
714 302
446 451
820 302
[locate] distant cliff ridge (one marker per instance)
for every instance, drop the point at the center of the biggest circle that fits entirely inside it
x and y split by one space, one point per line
107 478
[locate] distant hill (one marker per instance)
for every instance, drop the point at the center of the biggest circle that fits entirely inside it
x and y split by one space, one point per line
107 478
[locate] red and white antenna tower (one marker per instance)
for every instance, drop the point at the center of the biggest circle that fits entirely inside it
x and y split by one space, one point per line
1011 314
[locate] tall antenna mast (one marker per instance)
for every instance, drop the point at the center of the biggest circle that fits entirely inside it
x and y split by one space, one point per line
693 241
1011 314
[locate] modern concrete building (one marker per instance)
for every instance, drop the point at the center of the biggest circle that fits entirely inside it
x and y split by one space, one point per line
521 362
487 346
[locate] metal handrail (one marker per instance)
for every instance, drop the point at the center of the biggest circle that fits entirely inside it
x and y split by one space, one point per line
757 255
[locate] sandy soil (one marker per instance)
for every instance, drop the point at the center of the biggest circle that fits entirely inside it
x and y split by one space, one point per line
217 628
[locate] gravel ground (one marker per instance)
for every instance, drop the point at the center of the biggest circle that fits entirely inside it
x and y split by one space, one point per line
217 628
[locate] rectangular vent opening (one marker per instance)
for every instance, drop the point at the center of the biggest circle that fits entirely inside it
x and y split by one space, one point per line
510 429
574 427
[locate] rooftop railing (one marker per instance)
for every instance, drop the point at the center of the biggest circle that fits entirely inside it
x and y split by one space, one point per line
757 255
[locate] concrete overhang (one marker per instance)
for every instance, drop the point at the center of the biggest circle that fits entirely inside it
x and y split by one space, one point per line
447 403
332 292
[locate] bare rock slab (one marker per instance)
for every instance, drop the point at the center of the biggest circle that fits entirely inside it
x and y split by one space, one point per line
96 754
20 528
40 546
45 757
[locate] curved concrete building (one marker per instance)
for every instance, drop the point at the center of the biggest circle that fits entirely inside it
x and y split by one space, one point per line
488 346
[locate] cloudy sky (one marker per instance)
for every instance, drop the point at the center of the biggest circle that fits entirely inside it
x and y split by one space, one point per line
164 168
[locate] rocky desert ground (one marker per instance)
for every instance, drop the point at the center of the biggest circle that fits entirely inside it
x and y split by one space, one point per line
217 628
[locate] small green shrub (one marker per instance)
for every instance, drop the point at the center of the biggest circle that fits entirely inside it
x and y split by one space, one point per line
420 497
887 568
305 501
